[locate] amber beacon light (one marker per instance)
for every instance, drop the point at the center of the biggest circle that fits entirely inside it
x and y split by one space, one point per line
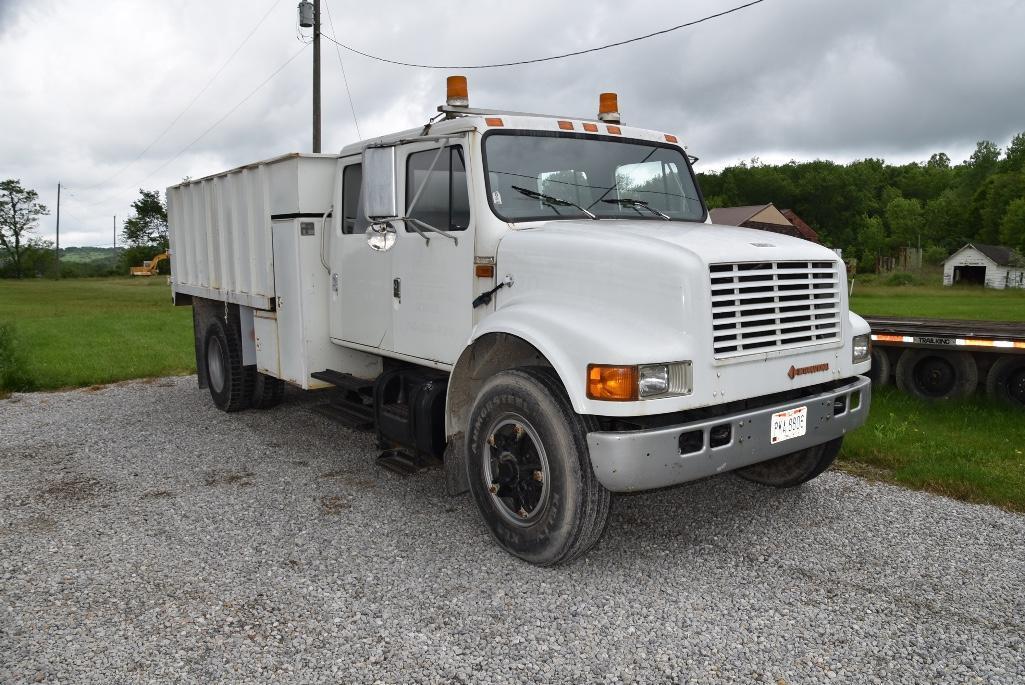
608 108
456 94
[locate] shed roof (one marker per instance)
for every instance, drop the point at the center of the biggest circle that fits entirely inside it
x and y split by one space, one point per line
1000 254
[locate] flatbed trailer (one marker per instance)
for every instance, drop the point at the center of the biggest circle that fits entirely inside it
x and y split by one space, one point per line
947 358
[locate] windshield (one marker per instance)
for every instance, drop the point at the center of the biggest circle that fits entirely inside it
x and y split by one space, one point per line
535 176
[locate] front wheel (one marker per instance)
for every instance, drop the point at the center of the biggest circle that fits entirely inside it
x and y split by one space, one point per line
795 468
529 470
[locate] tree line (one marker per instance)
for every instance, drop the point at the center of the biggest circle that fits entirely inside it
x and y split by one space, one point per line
23 253
871 208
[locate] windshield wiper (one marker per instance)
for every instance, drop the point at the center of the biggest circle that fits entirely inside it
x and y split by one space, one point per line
552 201
634 204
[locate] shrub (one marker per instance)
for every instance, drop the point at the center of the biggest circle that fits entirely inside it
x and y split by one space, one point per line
901 278
14 377
934 255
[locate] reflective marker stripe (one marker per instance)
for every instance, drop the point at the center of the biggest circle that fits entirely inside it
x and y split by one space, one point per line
970 342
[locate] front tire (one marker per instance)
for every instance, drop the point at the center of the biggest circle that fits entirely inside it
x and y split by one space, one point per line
793 469
529 470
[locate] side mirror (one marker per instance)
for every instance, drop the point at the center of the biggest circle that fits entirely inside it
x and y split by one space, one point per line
381 236
379 197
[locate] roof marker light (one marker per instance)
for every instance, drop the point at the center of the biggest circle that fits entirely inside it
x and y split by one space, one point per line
591 128
614 130
566 125
494 121
456 93
670 138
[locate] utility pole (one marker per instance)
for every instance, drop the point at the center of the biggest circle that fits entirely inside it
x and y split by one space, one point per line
309 17
316 75
57 249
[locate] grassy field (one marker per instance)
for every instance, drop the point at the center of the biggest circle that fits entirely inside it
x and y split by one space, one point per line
87 331
972 450
91 331
937 301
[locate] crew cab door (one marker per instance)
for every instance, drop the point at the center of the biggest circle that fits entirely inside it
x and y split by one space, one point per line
433 274
361 278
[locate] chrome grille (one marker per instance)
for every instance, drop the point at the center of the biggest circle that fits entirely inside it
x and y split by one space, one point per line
766 306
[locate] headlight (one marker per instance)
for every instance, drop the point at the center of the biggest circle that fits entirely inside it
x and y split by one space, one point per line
860 348
652 379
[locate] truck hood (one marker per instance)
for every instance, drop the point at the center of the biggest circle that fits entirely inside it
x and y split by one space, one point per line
709 243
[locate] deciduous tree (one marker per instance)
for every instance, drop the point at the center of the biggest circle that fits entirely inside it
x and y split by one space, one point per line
19 216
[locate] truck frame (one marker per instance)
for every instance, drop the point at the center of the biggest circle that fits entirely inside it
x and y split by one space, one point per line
538 304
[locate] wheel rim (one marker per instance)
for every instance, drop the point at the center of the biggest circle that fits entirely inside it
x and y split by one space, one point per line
516 472
935 376
215 364
1016 385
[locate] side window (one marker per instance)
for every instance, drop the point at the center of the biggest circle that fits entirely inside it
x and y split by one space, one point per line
352 215
444 202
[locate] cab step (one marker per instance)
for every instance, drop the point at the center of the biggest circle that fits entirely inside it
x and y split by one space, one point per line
352 404
406 463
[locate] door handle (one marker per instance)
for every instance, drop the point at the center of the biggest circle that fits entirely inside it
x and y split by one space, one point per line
396 289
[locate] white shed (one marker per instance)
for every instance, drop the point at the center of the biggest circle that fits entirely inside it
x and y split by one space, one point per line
993 266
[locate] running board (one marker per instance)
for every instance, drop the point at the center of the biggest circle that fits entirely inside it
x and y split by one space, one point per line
352 403
405 463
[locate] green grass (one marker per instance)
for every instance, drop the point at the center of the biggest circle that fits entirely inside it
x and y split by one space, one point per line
83 332
937 301
972 450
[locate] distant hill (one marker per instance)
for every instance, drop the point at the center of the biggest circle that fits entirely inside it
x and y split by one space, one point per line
85 255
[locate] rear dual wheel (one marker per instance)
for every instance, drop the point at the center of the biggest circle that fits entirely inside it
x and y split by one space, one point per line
232 385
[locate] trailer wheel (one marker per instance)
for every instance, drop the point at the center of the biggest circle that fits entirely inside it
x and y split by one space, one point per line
795 468
881 369
936 375
268 391
1006 380
529 470
230 383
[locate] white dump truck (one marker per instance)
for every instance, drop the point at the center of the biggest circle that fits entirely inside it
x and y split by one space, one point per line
537 304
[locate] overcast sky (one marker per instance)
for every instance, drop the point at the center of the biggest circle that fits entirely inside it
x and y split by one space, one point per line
86 87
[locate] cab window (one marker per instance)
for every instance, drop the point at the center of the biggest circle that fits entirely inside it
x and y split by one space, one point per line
444 202
352 215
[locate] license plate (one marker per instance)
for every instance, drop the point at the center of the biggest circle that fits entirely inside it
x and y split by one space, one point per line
792 423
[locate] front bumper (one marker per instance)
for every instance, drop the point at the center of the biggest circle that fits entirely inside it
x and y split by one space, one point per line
653 458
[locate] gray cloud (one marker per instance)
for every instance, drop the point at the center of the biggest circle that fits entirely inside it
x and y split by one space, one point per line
84 90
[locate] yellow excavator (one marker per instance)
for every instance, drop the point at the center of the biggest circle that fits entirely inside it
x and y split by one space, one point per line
149 267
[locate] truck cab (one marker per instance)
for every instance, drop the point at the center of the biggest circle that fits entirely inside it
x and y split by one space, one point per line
542 304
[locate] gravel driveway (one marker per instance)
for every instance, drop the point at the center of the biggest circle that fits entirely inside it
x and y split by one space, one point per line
145 536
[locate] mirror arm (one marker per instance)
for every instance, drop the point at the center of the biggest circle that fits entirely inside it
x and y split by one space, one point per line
416 223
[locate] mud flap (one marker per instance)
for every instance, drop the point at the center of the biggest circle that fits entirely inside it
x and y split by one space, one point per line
456 480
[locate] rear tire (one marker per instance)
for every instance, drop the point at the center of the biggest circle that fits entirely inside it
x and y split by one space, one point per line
529 469
793 469
937 375
230 383
1006 380
268 391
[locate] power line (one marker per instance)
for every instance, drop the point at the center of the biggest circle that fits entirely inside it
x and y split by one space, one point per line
345 79
196 97
542 59
226 115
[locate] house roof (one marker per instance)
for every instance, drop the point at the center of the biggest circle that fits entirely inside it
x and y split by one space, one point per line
1000 254
806 231
735 216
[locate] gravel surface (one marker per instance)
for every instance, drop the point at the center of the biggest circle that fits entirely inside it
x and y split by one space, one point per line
145 536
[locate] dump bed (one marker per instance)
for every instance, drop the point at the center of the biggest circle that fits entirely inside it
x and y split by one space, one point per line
220 226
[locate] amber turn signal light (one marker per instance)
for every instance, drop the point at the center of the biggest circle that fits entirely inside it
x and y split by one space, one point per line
484 270
617 383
